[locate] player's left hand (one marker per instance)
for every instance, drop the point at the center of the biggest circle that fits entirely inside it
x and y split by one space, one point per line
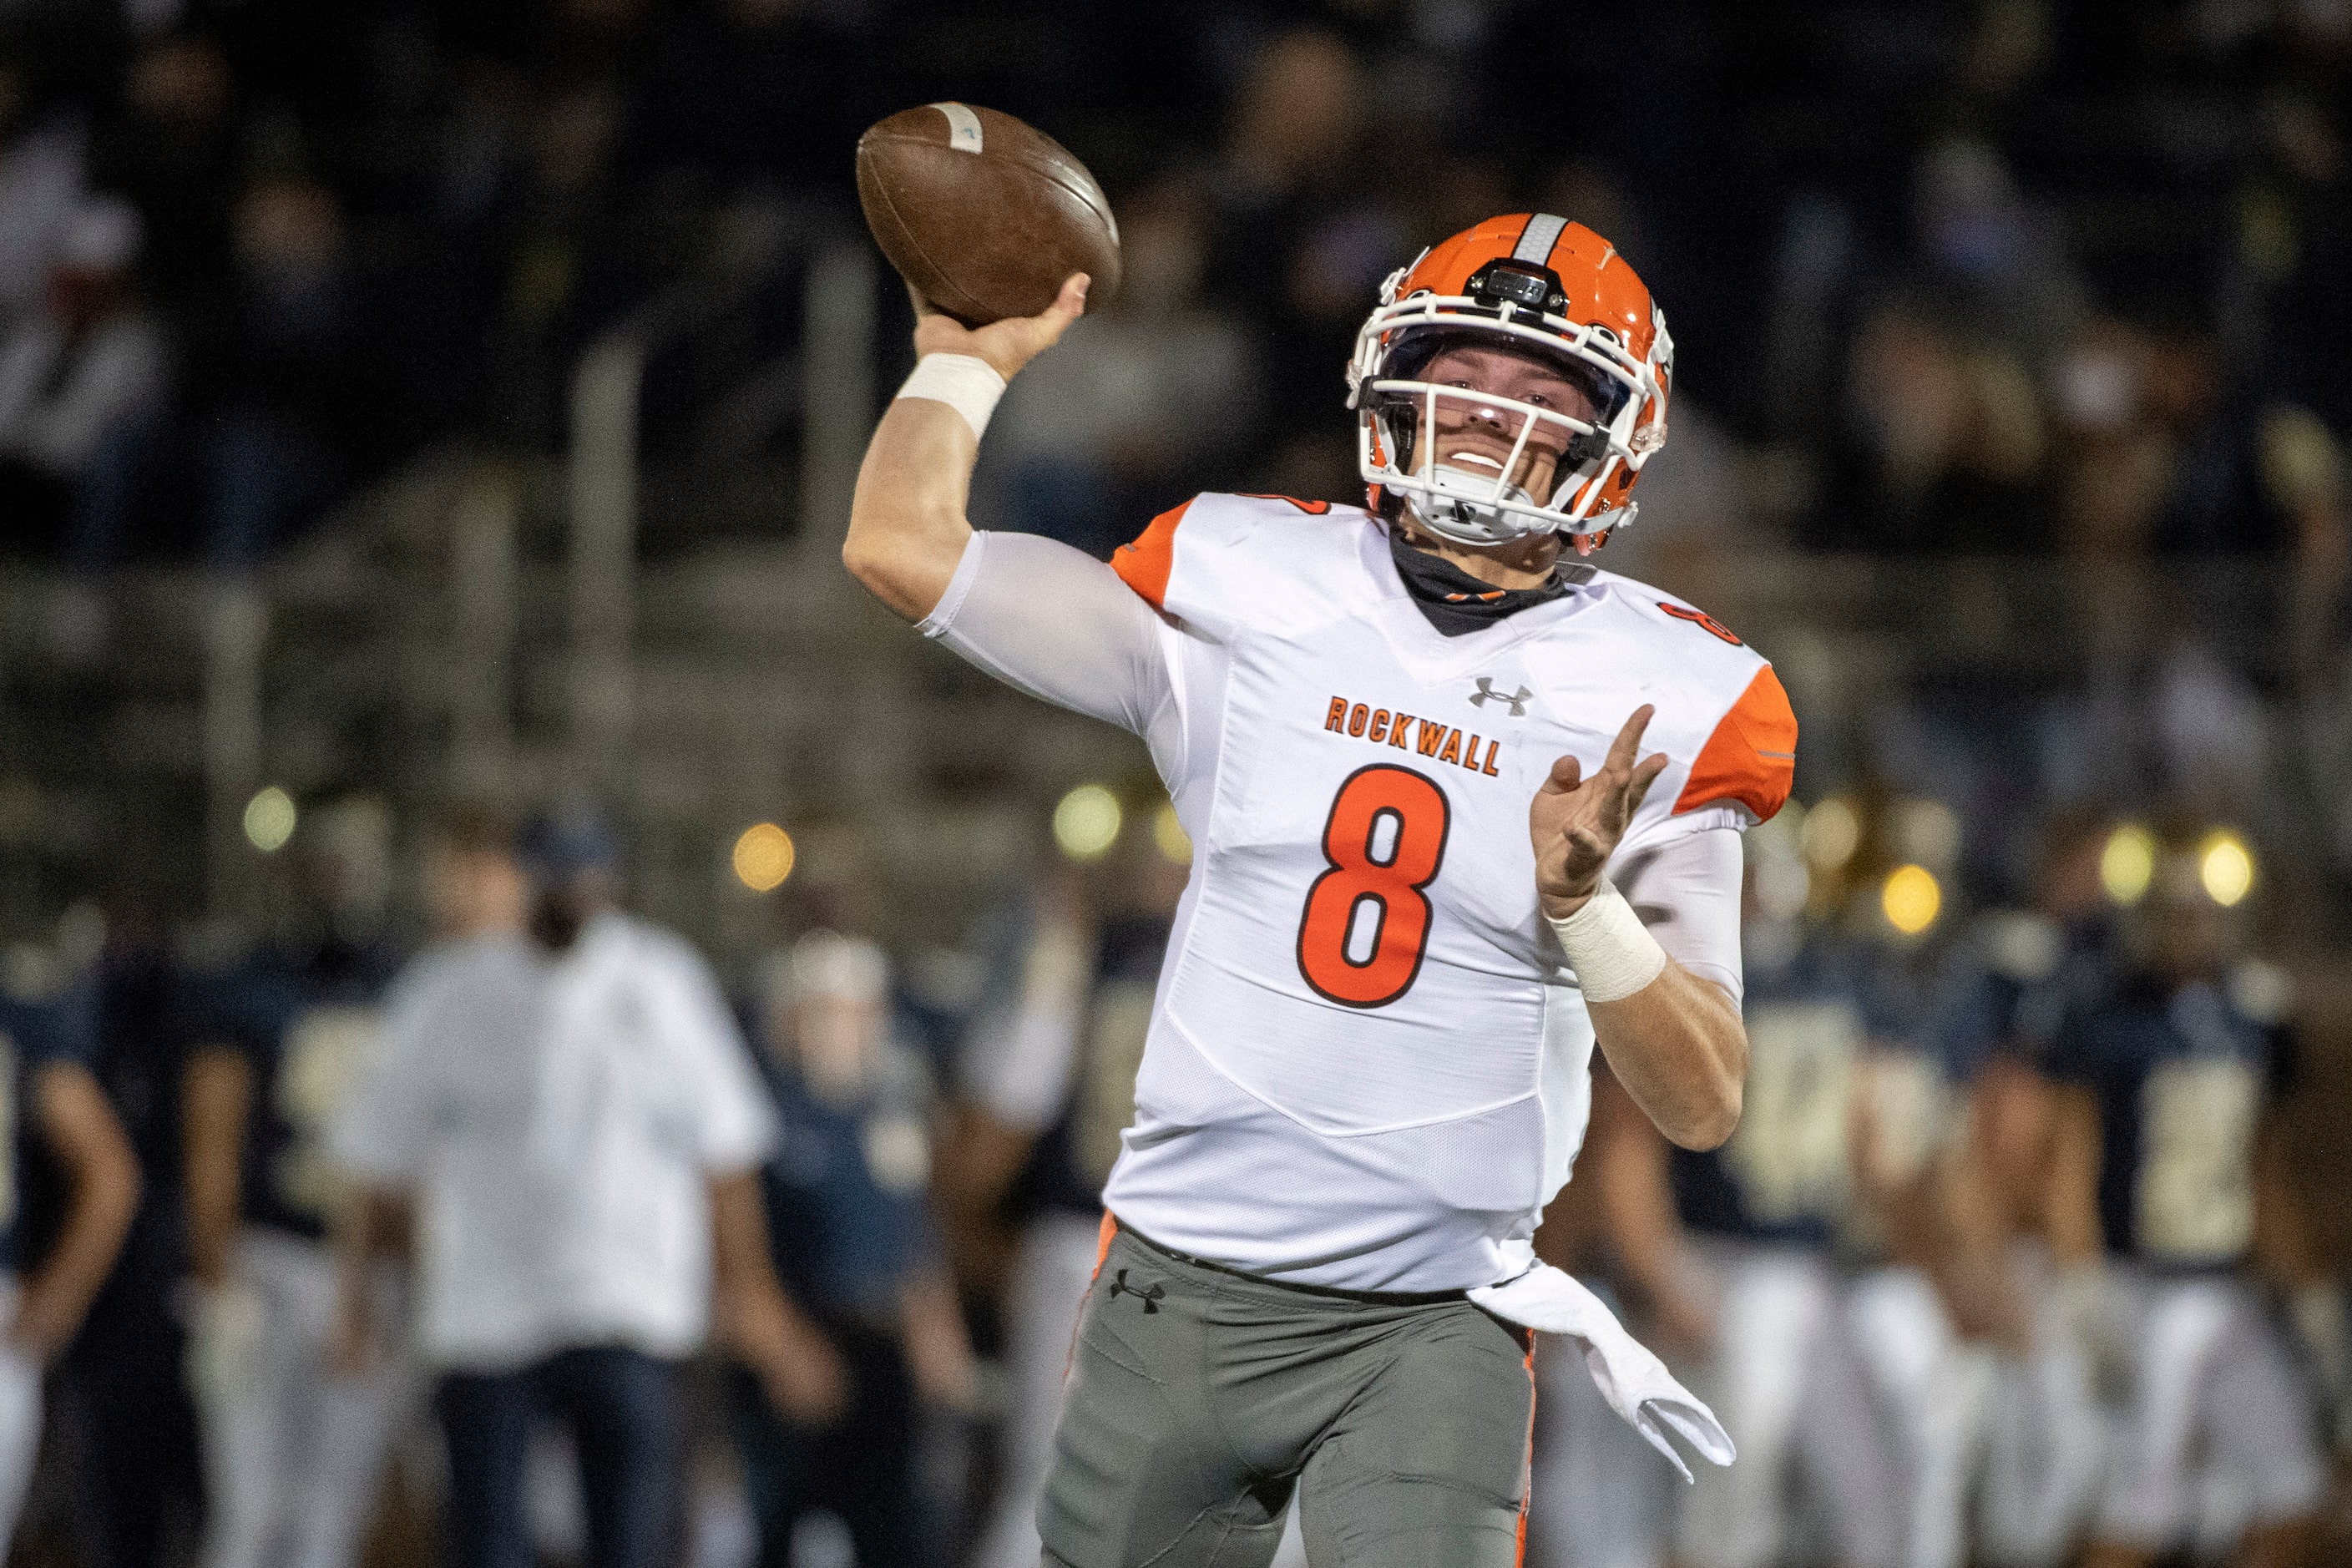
1576 822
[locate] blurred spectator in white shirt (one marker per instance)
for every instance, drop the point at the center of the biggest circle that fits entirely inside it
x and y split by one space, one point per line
575 1118
41 179
77 371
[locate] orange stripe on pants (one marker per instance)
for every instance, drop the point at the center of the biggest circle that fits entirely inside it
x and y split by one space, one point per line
1527 1474
1103 1239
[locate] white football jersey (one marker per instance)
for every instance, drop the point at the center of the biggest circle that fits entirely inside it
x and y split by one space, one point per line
1368 1063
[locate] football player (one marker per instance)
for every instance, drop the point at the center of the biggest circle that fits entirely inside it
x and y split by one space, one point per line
1407 741
2163 1148
1598 1496
1741 1253
2041 1435
50 1099
851 1242
291 1448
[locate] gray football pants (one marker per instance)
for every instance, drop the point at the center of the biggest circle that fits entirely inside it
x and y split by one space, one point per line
1199 1399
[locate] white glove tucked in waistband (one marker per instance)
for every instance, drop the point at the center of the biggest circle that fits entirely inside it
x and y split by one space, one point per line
1633 1380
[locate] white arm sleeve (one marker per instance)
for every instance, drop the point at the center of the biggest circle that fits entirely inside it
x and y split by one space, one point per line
1686 891
1059 625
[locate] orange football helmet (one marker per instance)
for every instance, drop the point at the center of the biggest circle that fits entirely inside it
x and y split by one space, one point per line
1538 285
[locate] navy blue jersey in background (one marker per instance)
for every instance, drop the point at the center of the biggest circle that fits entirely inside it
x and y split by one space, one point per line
846 1189
1072 1160
2013 981
1784 1176
307 1021
2180 1075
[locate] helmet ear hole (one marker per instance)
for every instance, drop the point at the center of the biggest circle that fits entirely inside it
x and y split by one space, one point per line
1398 422
1586 447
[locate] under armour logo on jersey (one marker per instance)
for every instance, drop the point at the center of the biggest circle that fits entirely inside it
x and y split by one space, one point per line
1151 1294
1487 693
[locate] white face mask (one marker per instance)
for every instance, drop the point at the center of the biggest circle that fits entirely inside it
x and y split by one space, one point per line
1464 501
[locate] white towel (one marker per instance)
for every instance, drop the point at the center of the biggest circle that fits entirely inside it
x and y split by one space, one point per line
1633 1380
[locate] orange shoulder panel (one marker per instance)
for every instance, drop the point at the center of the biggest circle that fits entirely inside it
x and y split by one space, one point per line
1144 565
1751 757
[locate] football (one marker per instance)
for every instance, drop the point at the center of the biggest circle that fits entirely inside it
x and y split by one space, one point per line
981 214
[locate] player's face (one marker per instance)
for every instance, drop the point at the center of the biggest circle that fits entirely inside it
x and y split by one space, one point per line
1478 438
470 892
837 1037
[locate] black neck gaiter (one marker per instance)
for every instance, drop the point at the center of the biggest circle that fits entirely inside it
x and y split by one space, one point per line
1455 602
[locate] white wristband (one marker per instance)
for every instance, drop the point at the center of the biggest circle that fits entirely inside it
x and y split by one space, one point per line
968 386
1612 952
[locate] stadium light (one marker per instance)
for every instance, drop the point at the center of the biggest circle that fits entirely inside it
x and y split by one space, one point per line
2226 867
1911 898
269 818
1168 833
764 857
2128 864
1085 824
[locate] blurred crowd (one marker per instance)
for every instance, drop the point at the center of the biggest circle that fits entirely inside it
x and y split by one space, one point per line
1991 276
2061 285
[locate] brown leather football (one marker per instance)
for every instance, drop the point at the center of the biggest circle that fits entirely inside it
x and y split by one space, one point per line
984 215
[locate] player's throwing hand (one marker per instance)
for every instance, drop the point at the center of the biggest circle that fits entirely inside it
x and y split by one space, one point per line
1008 344
1576 821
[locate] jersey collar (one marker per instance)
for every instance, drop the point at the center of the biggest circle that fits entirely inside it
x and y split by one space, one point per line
1427 656
1457 604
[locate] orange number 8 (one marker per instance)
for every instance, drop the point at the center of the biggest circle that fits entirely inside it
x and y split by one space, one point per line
1422 816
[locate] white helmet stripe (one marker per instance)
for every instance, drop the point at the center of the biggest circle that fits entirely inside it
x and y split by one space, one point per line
1538 239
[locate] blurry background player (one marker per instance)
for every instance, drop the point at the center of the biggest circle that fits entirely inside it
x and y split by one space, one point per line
2043 1436
471 887
53 1110
850 1232
1598 1497
127 1422
2164 1158
1936 1305
1736 1251
293 1444
1048 1082
575 1117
